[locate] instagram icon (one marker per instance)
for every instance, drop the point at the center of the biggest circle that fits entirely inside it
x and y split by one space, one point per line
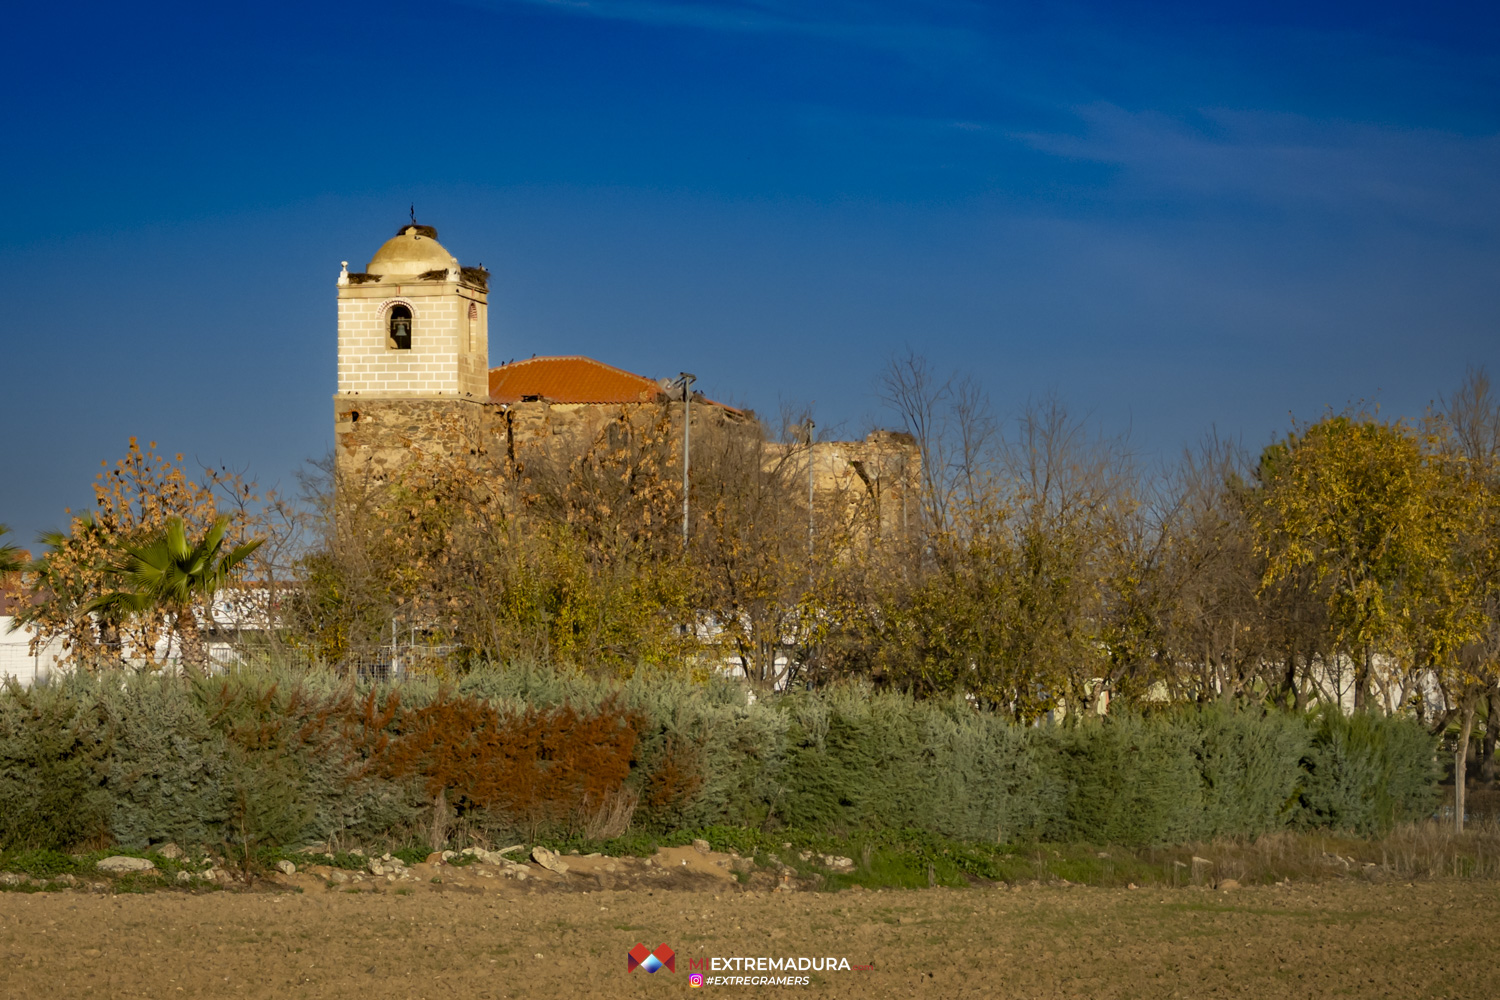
696 979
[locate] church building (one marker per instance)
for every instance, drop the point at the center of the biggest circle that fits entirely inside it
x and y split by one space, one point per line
414 379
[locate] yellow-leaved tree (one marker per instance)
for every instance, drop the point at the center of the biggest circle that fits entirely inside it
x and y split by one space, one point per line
1372 509
135 501
1470 673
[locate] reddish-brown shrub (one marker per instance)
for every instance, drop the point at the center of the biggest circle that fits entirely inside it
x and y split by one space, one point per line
676 779
293 721
542 768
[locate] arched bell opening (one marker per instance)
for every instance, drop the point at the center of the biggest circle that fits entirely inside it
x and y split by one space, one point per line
398 336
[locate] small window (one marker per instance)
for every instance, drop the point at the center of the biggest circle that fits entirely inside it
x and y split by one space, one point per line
473 325
400 336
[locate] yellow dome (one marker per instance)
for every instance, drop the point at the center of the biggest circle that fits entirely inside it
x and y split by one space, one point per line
415 250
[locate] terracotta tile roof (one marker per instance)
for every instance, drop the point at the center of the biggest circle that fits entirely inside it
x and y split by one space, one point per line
570 379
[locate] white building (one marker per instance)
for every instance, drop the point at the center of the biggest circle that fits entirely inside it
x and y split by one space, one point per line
17 661
238 615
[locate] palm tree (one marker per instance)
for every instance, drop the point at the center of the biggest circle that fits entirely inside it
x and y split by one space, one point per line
174 575
10 555
59 589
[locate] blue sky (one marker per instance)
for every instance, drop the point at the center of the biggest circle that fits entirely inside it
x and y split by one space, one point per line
1176 216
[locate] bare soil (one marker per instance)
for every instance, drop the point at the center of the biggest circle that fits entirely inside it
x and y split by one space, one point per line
471 935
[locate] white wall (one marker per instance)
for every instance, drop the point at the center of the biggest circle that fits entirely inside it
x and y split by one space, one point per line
16 659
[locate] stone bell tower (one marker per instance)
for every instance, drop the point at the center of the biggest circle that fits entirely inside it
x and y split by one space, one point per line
413 357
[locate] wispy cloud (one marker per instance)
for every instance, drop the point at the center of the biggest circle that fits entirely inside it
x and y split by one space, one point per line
741 15
748 15
938 23
1029 68
1292 161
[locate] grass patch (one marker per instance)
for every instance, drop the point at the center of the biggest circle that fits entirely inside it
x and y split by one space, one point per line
140 882
914 859
265 858
632 844
44 864
911 859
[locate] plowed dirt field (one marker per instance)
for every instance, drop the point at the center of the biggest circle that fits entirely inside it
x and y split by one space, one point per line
1344 939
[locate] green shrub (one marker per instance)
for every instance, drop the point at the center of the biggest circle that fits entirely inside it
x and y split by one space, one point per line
1124 780
1366 772
267 760
54 750
857 761
1250 764
169 772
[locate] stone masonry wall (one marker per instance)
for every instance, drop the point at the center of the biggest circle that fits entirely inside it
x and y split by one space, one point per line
881 474
878 476
374 436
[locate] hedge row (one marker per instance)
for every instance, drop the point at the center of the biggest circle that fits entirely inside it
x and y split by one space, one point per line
277 758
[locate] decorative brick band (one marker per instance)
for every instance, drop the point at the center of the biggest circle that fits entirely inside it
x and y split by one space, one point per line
385 306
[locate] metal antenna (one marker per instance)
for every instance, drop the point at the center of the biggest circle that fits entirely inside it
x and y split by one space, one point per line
685 380
810 439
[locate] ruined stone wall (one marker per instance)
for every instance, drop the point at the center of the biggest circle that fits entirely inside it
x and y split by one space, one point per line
562 429
375 436
875 481
558 427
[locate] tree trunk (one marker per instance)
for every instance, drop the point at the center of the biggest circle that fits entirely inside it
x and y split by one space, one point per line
1290 696
194 651
1461 766
437 837
1299 689
1487 748
1362 680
